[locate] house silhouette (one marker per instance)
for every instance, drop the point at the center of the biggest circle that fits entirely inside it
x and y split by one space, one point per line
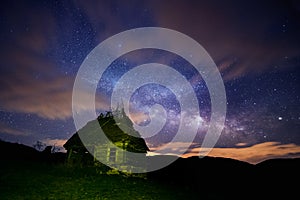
118 128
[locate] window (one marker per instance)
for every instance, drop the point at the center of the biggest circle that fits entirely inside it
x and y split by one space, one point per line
112 154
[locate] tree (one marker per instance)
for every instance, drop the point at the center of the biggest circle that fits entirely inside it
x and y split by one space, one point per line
40 146
55 149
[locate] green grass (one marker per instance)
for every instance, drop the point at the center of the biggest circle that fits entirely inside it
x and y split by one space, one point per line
41 181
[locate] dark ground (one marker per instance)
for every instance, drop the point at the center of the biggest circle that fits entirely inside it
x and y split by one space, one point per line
28 174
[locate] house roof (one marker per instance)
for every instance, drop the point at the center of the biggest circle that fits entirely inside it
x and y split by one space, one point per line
113 132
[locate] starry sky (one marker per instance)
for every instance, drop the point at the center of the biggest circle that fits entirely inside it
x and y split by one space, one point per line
255 45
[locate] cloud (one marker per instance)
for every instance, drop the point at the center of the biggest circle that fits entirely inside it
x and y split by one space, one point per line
101 16
50 99
251 154
138 117
110 17
4 128
30 80
54 142
254 154
238 40
241 144
30 83
46 99
58 143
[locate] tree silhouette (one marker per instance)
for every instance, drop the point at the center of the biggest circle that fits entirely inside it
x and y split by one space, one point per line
40 146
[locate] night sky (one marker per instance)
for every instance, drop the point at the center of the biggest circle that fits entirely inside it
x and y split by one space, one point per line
255 44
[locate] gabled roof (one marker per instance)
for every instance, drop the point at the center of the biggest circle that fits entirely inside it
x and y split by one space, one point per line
133 141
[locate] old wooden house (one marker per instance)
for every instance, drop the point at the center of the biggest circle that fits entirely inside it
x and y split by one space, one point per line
125 138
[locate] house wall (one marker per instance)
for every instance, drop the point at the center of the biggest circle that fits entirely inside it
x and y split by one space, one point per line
106 152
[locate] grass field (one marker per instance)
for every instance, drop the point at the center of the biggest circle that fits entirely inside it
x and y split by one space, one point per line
42 181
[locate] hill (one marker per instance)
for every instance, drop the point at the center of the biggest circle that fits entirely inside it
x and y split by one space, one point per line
211 178
224 177
23 153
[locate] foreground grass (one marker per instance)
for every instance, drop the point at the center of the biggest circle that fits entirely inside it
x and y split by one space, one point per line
42 181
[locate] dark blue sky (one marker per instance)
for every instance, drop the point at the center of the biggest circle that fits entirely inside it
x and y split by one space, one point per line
255 45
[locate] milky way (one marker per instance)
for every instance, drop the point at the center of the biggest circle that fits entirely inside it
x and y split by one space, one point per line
44 43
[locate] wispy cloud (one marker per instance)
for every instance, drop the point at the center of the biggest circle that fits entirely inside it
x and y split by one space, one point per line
256 153
239 45
251 154
30 81
4 128
50 99
54 142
